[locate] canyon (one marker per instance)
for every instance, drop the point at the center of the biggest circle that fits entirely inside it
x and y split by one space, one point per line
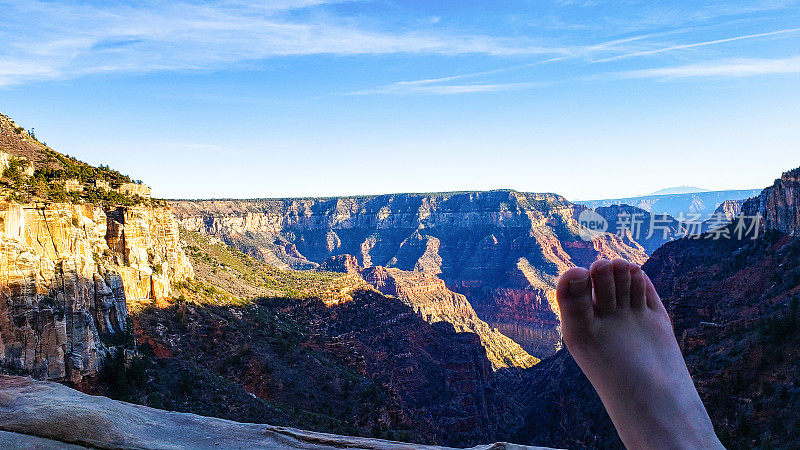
502 250
422 318
98 290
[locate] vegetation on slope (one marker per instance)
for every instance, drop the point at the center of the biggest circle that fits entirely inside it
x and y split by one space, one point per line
36 172
250 363
218 264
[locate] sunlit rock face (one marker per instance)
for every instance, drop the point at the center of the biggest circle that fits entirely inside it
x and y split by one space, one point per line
67 275
779 204
503 250
428 296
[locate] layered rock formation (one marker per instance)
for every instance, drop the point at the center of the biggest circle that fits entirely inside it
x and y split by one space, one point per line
779 204
501 249
68 273
431 299
730 208
35 414
434 302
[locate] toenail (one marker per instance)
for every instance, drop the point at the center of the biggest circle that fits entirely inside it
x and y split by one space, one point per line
603 264
578 286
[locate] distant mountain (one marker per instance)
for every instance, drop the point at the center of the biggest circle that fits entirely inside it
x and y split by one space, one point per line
694 206
679 190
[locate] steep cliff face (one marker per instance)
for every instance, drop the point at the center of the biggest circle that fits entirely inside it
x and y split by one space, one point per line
502 249
730 208
68 273
779 204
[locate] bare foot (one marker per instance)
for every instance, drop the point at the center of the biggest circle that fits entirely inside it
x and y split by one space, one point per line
621 337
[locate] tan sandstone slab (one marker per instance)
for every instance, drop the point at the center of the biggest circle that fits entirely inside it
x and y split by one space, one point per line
35 413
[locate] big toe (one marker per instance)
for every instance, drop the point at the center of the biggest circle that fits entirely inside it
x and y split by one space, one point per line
605 296
574 295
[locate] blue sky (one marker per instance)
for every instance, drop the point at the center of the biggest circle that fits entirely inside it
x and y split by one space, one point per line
587 98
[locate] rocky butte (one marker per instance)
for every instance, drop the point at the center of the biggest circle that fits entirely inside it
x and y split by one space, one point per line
67 275
502 250
70 269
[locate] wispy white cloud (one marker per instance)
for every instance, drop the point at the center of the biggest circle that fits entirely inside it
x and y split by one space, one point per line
437 86
442 85
639 15
59 40
405 87
699 44
55 40
477 74
725 68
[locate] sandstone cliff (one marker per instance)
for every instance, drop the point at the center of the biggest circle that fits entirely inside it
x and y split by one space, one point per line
501 249
779 204
68 273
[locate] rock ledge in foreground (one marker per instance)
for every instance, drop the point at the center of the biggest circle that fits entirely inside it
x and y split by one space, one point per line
45 413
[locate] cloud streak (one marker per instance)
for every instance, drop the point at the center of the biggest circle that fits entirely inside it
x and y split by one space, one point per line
54 40
70 41
410 87
726 68
586 52
699 44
